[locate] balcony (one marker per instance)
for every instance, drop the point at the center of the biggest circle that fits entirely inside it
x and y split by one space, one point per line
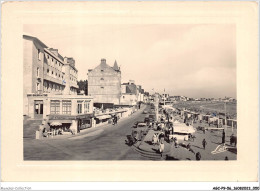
51 79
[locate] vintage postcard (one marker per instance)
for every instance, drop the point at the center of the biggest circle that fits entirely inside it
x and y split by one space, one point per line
129 91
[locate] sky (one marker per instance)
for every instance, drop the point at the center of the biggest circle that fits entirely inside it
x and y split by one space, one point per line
190 60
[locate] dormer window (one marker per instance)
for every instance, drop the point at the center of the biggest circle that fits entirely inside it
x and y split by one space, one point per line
101 78
102 87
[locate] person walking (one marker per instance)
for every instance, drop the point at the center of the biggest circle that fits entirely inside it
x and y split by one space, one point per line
204 143
115 119
223 137
198 156
161 147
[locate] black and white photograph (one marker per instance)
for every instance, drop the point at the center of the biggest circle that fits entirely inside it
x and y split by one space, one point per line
140 91
130 92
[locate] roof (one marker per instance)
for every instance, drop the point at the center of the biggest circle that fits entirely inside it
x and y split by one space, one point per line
131 88
102 66
35 39
51 53
115 67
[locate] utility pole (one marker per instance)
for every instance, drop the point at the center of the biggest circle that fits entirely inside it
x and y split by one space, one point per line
156 106
225 116
164 97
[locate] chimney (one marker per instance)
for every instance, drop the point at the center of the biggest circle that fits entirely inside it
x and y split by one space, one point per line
103 61
54 51
65 60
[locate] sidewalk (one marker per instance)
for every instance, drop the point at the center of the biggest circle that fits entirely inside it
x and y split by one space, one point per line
148 149
93 131
211 152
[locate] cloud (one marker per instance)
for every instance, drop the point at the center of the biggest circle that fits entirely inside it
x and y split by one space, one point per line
193 60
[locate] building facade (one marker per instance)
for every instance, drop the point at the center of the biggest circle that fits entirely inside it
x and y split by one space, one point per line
50 86
104 83
129 94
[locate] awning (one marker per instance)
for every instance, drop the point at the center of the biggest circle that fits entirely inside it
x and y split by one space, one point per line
59 121
56 123
183 128
103 116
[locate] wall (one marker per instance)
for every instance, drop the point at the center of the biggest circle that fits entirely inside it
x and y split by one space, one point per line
47 100
37 63
128 99
27 73
67 78
109 79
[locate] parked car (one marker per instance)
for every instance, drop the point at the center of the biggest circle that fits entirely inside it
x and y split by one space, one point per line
147 120
136 123
141 125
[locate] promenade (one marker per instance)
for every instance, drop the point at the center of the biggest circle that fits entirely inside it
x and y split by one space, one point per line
213 151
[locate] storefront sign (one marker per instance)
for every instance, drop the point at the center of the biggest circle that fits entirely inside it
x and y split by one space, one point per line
63 117
70 117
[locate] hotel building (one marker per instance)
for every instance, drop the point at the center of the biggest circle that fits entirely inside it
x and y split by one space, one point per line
50 86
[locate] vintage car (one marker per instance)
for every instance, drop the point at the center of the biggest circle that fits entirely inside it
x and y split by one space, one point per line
145 112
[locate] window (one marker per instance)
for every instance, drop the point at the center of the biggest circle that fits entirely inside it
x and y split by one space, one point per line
66 107
55 107
48 70
52 59
102 70
86 107
123 97
102 87
38 72
39 54
59 75
48 56
79 107
56 62
37 87
56 74
51 72
101 78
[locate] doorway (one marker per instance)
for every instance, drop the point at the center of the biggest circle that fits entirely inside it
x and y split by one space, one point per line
38 109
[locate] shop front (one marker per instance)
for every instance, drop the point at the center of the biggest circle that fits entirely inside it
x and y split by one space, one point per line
102 119
70 123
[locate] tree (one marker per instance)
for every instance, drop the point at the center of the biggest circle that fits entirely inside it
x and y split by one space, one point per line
83 85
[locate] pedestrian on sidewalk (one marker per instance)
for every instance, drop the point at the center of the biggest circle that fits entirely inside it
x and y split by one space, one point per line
204 129
198 156
115 119
223 137
161 147
175 142
204 143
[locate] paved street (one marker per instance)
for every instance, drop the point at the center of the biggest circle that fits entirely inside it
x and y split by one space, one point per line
105 143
